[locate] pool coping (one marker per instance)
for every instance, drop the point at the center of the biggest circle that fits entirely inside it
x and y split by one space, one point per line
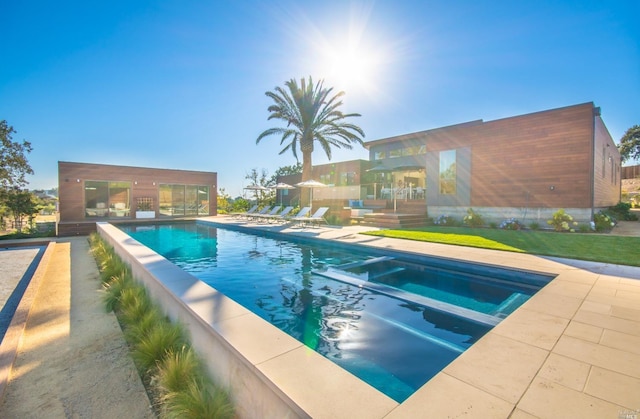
563 351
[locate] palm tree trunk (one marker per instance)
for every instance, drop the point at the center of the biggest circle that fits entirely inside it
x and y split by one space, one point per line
307 167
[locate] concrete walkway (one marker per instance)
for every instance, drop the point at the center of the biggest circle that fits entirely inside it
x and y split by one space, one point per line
72 360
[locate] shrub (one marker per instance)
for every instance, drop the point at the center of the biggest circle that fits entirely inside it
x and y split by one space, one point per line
444 220
493 224
603 222
511 224
473 219
622 211
534 226
561 221
583 228
335 220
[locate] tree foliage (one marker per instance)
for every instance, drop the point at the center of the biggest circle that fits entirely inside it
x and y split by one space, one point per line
287 170
261 178
13 161
311 115
630 144
21 205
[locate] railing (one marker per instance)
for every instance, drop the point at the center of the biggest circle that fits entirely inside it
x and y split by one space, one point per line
369 191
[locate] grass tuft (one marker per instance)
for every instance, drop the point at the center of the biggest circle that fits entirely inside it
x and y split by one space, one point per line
144 324
177 369
198 402
114 288
133 304
159 341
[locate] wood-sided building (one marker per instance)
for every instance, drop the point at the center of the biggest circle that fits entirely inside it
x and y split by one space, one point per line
98 192
524 167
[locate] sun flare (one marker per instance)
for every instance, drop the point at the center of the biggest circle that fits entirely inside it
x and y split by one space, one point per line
351 67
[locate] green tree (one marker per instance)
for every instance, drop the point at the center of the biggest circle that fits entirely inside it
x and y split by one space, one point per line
261 178
630 144
223 201
21 204
285 171
311 114
13 162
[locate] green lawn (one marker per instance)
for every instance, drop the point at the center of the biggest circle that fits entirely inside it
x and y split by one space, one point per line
595 247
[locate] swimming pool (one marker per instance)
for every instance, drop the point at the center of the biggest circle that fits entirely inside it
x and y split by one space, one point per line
392 339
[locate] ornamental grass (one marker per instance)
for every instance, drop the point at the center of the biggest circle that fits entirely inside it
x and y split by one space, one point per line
169 367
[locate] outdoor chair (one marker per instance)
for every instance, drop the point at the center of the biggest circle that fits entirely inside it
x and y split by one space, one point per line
257 214
244 214
265 216
281 216
303 213
317 217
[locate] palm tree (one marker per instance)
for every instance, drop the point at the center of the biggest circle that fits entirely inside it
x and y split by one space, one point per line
311 114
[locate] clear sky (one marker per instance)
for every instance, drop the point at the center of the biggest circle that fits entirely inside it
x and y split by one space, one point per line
180 84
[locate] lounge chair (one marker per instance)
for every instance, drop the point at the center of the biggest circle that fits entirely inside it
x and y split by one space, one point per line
316 218
303 213
244 214
281 216
265 216
257 214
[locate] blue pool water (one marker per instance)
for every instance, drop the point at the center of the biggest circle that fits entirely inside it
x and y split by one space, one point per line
380 318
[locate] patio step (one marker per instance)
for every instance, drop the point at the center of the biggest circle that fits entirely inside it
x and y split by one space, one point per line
394 220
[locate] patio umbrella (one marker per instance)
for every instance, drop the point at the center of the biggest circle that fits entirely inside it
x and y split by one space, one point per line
281 186
311 184
256 188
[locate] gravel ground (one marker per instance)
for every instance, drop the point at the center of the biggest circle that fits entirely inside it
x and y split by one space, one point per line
72 360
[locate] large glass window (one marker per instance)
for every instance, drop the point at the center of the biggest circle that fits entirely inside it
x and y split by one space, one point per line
448 172
107 199
203 200
413 151
326 178
347 178
395 153
180 200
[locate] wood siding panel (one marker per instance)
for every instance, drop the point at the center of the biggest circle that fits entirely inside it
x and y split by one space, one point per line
535 160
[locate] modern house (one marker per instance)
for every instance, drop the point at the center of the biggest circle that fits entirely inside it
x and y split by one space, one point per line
99 192
524 167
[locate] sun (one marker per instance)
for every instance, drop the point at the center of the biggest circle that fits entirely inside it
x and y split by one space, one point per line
349 51
351 67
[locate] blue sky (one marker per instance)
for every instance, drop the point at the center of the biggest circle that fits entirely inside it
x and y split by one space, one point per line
180 84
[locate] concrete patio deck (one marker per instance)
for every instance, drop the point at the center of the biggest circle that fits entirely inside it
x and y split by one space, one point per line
573 350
